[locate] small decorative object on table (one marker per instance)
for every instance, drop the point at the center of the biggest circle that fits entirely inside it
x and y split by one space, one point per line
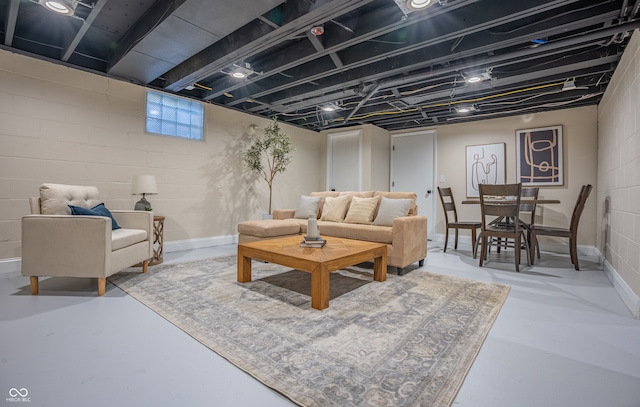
312 239
317 242
312 228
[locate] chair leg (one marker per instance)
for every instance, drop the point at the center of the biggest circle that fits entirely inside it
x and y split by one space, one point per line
446 238
34 285
517 250
483 250
473 242
455 241
574 253
421 263
533 242
526 250
145 265
102 286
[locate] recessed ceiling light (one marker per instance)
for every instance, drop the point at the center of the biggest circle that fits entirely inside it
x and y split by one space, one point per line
331 107
419 4
62 7
465 109
238 74
477 77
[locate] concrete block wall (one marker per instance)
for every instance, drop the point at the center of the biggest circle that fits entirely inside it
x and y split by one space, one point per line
618 192
68 126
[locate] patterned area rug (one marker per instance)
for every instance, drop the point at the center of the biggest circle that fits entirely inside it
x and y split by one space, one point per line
408 341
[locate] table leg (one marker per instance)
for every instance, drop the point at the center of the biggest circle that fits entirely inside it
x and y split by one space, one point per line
320 277
244 267
380 267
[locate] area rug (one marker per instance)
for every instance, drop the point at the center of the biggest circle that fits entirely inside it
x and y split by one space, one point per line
408 341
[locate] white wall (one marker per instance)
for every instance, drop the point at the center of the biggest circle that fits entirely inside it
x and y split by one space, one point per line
68 126
618 194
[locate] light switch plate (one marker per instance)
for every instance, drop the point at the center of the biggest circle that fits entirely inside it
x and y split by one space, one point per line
442 178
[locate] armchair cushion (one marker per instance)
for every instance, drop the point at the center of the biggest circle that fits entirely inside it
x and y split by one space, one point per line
56 198
98 210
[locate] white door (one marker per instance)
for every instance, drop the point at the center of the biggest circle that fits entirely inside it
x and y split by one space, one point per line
413 167
344 161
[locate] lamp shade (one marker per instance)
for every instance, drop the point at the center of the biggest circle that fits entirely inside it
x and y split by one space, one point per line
144 184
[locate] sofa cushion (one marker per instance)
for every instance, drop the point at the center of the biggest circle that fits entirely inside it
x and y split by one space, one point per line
269 228
307 206
359 194
336 208
56 198
370 233
98 210
324 195
390 209
122 238
400 195
361 210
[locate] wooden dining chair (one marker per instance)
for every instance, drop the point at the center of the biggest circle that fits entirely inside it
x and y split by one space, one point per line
449 205
490 209
571 232
528 208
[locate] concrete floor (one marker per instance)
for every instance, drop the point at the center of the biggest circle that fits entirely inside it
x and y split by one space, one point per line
563 338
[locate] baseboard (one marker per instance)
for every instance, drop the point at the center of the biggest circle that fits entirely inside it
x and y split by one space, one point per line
13 265
630 299
583 250
199 243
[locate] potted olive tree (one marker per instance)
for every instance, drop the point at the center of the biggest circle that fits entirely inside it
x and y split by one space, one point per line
269 155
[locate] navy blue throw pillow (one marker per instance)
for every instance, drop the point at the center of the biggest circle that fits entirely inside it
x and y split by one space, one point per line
98 210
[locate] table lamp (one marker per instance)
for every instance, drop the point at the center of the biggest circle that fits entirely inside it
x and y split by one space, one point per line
144 185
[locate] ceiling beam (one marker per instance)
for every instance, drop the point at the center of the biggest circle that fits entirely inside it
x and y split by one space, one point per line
97 7
252 39
10 22
374 25
433 56
156 14
461 22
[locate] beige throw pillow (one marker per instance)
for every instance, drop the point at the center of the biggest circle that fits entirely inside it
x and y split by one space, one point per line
334 209
361 210
307 206
391 209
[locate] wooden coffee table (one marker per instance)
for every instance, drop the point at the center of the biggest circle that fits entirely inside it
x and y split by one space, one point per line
320 262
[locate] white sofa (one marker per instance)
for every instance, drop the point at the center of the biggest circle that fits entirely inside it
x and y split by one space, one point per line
57 243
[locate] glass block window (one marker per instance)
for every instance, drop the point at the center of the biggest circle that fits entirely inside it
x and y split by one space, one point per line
174 116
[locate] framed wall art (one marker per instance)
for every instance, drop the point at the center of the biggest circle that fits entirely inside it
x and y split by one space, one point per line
485 165
539 156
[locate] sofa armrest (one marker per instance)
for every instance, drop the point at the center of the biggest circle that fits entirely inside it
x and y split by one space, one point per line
130 219
66 245
410 234
283 213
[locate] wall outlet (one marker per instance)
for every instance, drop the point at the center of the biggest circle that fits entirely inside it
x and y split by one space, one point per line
442 178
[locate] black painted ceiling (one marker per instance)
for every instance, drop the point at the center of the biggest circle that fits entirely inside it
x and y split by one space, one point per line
375 63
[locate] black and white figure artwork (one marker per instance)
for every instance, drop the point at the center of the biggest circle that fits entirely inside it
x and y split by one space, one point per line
485 165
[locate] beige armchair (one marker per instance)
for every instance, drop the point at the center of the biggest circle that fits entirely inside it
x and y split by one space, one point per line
57 243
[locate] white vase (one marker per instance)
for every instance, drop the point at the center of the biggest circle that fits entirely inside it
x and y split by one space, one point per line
312 227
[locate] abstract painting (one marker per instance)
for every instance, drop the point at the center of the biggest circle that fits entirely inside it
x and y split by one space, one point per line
485 165
539 156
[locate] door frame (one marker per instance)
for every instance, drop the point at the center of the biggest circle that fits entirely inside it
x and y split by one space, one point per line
431 217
